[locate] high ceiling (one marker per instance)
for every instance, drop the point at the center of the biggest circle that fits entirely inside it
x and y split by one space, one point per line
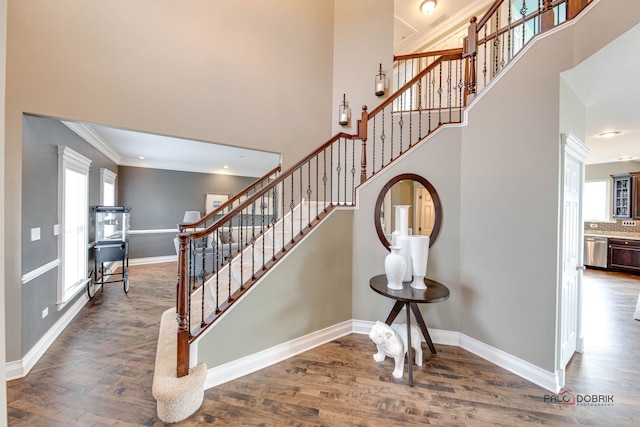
606 84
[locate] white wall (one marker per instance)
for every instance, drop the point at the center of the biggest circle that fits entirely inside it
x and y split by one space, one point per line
251 73
363 39
3 51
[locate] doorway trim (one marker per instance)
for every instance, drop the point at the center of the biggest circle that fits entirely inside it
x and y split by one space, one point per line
571 147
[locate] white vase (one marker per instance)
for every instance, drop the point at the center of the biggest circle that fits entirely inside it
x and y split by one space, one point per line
419 256
394 268
405 243
402 219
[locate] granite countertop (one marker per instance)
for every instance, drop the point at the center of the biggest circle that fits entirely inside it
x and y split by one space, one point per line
614 234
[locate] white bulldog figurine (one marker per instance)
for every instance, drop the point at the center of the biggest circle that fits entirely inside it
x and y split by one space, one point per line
392 342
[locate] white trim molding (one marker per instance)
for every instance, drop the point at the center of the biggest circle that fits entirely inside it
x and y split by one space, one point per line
20 368
262 359
522 368
153 260
37 272
154 231
87 133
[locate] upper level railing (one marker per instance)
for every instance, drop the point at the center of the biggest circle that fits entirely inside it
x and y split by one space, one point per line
224 254
495 39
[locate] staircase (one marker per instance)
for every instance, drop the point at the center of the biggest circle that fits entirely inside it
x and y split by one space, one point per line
252 232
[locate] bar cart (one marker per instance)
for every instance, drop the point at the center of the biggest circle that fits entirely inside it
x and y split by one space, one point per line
112 245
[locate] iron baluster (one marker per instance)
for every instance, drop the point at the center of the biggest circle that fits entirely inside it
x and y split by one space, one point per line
382 138
440 94
338 171
324 178
373 148
353 169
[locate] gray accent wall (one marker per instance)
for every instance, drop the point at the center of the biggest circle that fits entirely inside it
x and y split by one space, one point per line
41 137
158 199
307 291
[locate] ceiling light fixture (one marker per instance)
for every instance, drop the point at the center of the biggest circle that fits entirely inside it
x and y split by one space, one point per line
226 166
428 6
610 134
141 157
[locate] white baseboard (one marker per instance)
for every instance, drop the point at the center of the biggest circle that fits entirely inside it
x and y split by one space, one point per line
248 364
153 260
20 368
522 368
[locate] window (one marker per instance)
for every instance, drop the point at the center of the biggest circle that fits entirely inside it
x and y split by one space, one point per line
73 195
596 206
107 187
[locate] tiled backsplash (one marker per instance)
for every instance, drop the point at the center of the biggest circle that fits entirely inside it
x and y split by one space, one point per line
613 227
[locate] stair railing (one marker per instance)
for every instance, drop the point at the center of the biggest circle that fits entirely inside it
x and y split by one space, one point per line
257 228
234 201
494 40
505 29
253 235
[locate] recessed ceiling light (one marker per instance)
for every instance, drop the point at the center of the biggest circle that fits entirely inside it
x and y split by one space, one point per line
609 134
141 157
625 158
226 166
428 6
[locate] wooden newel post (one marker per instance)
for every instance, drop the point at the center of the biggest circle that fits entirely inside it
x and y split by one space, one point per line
182 306
574 7
362 134
547 18
471 52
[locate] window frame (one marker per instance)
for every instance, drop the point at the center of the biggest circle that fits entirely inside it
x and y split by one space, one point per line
69 159
607 201
107 177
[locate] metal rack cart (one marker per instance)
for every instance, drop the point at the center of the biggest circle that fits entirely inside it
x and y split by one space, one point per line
112 245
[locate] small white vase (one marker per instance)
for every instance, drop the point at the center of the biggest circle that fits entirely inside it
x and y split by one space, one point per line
394 268
402 219
405 243
419 257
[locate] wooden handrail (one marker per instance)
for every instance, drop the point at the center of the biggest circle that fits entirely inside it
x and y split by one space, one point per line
399 92
229 202
185 335
489 13
428 54
255 196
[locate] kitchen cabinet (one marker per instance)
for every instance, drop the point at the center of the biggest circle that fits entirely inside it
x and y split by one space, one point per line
624 254
635 196
622 194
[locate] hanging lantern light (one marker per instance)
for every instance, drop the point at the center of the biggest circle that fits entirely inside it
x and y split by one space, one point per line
344 112
381 78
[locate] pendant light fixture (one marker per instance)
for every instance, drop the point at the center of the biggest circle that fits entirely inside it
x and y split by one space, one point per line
344 112
381 78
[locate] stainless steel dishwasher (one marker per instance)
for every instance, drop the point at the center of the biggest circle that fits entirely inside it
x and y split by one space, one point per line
595 251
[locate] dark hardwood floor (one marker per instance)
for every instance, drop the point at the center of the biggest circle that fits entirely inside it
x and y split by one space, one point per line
100 370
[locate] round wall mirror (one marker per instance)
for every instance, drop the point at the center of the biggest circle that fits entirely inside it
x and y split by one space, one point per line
425 213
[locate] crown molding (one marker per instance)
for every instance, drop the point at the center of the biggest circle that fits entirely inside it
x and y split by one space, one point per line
87 133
